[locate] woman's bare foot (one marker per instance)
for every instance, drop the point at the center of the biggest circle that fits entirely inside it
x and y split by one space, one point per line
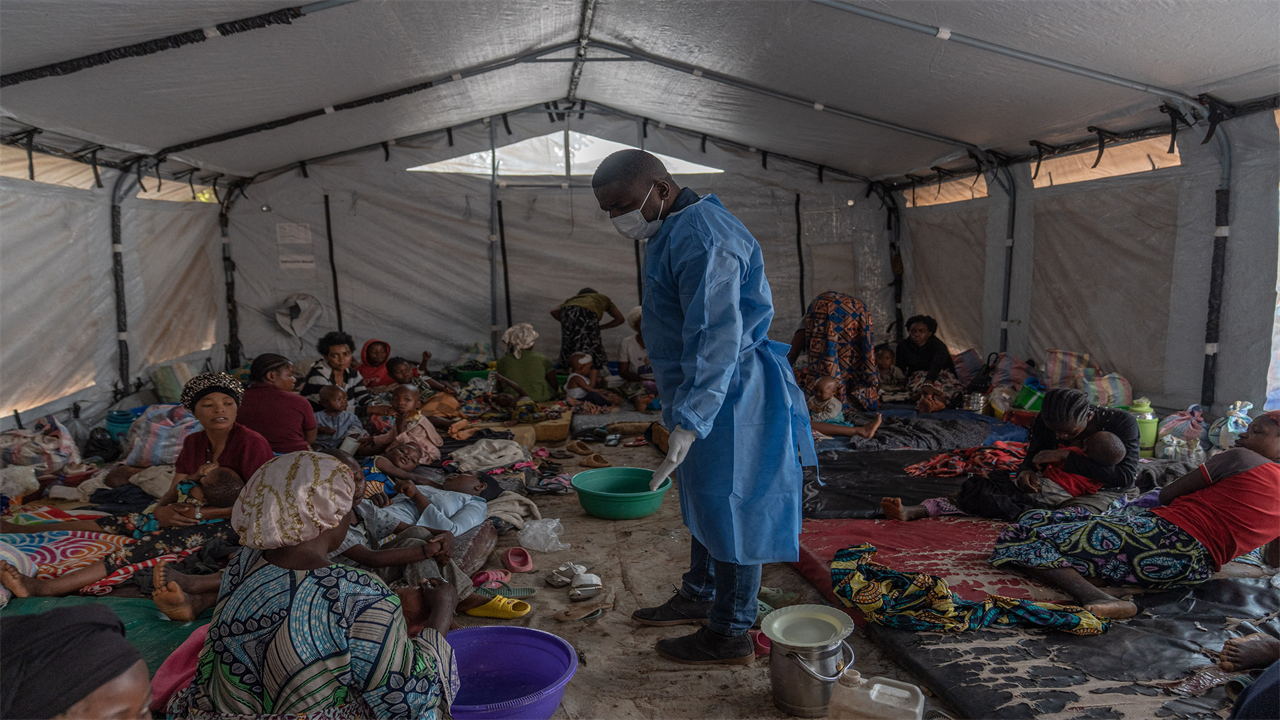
17 583
169 595
1251 651
894 510
183 597
1113 608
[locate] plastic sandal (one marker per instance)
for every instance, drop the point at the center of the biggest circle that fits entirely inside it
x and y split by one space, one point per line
761 642
595 461
501 589
577 447
501 607
561 455
585 587
777 597
563 575
637 442
517 560
589 611
488 576
612 440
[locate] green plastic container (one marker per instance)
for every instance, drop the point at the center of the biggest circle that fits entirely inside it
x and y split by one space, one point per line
466 376
619 493
1028 399
562 379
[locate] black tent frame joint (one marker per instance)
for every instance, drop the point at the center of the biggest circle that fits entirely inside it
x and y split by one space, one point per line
1103 136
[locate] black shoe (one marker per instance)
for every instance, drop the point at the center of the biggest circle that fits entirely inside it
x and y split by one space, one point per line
676 611
706 647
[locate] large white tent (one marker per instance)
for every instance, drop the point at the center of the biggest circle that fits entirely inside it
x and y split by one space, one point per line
826 118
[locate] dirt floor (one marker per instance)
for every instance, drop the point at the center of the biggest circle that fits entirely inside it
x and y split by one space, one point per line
641 562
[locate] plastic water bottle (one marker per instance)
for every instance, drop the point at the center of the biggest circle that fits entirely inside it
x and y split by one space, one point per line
878 698
1147 426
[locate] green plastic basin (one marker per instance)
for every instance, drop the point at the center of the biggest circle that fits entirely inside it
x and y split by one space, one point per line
619 493
466 376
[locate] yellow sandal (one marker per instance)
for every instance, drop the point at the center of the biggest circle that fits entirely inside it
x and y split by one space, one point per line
501 607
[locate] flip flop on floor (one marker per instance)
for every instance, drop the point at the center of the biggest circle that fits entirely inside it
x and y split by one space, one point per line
563 575
635 442
585 587
488 576
595 461
561 455
517 560
501 589
501 607
587 611
577 447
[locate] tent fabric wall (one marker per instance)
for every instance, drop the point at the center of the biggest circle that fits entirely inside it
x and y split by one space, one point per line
172 254
412 248
1140 246
58 342
1122 242
55 286
948 260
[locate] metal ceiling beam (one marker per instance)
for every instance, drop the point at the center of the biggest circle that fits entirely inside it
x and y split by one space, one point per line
584 37
948 35
598 108
370 100
785 97
283 16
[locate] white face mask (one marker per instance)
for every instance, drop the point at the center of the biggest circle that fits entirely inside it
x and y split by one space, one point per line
633 225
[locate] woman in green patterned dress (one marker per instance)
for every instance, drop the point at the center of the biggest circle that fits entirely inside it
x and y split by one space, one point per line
296 636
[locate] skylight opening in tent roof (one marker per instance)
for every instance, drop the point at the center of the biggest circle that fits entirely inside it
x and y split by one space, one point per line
546 156
1127 159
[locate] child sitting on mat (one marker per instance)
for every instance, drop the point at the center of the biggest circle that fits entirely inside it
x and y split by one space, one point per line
334 424
893 382
826 414
410 426
1104 448
582 381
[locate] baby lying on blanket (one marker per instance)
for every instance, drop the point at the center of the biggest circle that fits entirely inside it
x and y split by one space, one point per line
455 505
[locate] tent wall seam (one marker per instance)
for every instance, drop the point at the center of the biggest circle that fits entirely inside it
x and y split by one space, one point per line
786 97
455 76
284 16
579 58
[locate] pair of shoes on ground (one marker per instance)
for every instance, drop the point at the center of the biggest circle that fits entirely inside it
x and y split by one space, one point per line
583 585
704 647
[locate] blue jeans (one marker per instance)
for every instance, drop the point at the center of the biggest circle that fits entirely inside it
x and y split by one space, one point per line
732 588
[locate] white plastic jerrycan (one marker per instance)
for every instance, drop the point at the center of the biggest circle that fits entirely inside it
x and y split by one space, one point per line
854 698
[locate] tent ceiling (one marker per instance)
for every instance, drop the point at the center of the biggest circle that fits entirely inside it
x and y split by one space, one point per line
799 48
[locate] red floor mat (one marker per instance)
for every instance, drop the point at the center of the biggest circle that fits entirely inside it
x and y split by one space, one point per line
955 549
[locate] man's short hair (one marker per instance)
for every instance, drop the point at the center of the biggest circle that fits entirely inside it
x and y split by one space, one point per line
629 166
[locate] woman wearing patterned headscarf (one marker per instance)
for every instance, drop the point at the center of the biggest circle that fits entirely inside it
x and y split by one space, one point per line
293 634
174 525
525 367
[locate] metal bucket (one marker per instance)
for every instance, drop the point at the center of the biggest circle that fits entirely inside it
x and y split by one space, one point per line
802 678
806 657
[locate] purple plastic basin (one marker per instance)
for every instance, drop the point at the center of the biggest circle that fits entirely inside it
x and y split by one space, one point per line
510 672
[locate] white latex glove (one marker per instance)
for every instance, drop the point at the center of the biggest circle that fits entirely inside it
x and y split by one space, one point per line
677 447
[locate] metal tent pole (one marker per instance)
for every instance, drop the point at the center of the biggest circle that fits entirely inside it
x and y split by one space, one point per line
493 237
124 183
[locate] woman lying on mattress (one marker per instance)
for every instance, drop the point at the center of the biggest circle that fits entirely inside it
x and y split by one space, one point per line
1217 512
208 474
1060 439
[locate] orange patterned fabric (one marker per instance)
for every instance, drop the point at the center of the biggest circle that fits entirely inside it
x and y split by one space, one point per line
841 345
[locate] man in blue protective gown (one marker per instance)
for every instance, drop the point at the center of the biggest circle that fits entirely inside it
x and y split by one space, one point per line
739 424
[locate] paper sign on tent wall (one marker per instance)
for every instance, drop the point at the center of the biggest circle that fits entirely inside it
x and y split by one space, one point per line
292 242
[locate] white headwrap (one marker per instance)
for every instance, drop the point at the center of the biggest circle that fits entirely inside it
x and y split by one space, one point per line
519 337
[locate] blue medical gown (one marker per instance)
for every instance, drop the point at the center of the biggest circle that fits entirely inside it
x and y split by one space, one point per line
707 310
